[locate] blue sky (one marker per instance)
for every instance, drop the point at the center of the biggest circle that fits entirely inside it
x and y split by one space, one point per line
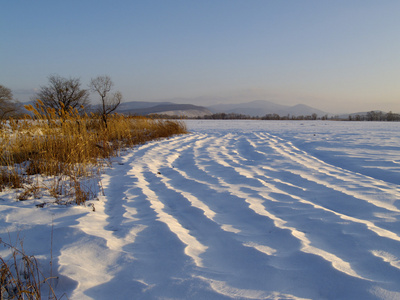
338 56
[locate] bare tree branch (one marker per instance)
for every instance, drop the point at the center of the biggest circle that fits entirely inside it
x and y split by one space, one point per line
109 103
63 92
8 106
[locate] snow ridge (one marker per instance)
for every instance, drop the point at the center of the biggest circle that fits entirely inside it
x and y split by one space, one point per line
235 213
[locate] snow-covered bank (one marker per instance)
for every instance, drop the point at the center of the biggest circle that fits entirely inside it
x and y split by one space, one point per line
236 209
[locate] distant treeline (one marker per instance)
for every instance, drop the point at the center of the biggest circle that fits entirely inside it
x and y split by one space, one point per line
376 116
369 116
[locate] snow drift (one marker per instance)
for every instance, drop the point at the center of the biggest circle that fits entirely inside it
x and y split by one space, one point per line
233 210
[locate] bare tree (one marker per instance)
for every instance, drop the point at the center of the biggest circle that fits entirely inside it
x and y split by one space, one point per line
8 105
62 92
109 103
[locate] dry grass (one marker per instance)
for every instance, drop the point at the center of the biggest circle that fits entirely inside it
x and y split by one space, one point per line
20 277
69 146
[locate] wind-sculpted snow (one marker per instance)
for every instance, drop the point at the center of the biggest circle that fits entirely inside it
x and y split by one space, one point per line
245 210
249 215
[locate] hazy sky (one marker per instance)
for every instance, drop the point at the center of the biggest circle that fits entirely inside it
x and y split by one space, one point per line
336 55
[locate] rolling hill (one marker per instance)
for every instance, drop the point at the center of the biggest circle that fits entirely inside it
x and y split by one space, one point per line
165 108
256 108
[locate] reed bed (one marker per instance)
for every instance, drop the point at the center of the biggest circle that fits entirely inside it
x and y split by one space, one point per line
69 147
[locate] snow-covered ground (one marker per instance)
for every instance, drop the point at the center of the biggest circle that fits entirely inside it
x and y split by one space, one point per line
233 210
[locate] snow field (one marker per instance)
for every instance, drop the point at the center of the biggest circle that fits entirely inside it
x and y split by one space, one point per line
233 210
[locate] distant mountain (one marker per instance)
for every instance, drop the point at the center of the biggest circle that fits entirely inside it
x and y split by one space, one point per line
133 105
166 108
305 110
261 108
254 108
